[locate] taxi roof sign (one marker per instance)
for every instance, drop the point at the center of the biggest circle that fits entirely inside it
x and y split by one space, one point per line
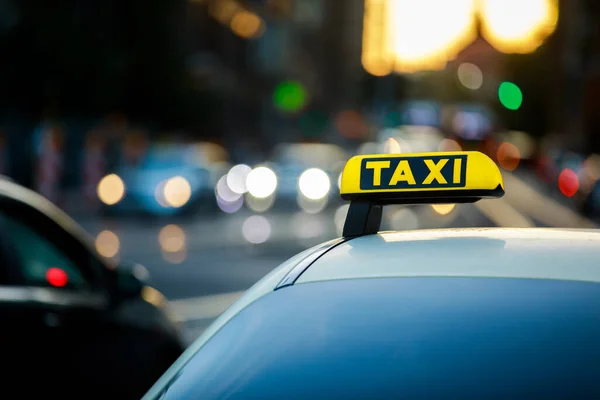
371 181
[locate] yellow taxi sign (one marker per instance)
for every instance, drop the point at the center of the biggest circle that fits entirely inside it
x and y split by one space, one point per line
464 176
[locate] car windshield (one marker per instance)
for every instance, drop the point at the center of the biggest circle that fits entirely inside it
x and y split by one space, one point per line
403 338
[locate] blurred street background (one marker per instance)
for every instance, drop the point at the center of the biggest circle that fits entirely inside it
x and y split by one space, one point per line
204 139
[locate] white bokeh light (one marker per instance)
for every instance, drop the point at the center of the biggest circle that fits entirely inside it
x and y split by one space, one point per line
224 191
314 183
261 182
256 229
470 76
236 178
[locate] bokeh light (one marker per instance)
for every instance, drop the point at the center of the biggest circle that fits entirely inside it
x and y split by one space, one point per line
377 57
290 96
256 229
449 145
57 277
523 141
590 173
223 191
568 182
107 244
517 26
261 182
443 209
426 34
392 146
314 183
508 156
172 239
153 296
111 189
141 272
177 191
224 11
510 95
159 194
247 24
236 178
470 76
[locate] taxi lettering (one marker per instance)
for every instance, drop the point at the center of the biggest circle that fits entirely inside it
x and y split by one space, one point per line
413 172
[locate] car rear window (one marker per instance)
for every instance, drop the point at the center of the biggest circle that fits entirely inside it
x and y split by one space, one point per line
405 338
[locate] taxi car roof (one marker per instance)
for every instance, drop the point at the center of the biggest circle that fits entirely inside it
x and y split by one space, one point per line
549 255
527 253
538 253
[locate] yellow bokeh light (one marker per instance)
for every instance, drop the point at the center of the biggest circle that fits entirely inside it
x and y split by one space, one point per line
224 10
408 36
377 58
177 192
516 26
171 239
111 189
246 24
449 145
153 296
107 244
426 34
392 146
443 209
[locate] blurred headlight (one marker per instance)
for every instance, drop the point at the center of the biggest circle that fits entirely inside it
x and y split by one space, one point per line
314 184
261 182
177 192
111 189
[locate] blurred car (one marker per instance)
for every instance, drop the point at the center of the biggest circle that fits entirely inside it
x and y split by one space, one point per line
438 314
302 175
74 325
171 179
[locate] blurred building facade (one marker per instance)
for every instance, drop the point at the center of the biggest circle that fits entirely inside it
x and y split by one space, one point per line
309 48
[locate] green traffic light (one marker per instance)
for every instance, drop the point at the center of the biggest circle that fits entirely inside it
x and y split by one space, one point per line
510 95
289 96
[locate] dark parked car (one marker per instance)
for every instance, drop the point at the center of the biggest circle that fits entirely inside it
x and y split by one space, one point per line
73 325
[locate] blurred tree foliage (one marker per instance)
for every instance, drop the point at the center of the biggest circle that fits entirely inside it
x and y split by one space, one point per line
86 58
